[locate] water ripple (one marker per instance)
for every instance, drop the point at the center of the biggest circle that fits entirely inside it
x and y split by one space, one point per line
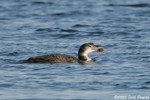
69 30
42 3
138 5
79 25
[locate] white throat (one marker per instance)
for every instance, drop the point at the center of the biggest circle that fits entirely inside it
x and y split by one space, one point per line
86 55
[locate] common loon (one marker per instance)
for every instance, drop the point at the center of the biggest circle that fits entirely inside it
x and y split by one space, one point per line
83 52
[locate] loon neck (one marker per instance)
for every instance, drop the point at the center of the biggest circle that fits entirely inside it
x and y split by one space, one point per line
84 57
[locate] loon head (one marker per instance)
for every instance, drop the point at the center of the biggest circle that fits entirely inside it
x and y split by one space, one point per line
87 48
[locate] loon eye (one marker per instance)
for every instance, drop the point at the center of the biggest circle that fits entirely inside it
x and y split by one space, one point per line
90 46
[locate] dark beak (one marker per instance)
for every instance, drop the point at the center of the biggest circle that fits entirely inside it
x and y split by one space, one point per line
99 48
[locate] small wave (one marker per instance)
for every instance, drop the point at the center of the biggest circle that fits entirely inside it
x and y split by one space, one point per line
56 29
139 5
144 87
70 13
42 2
44 29
4 19
98 73
147 83
58 14
5 85
79 25
117 85
13 54
9 53
96 33
69 30
9 61
66 36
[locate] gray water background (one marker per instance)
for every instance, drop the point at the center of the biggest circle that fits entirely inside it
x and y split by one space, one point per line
38 27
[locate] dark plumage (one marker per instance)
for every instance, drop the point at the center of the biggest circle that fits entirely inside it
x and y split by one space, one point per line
53 58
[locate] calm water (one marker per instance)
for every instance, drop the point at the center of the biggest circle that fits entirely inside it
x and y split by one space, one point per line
37 27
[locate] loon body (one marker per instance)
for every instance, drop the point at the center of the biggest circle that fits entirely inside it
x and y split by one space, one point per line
83 52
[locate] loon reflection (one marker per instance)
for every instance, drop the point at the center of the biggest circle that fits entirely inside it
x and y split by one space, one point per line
83 52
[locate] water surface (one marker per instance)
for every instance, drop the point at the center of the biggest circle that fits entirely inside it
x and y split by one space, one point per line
39 27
